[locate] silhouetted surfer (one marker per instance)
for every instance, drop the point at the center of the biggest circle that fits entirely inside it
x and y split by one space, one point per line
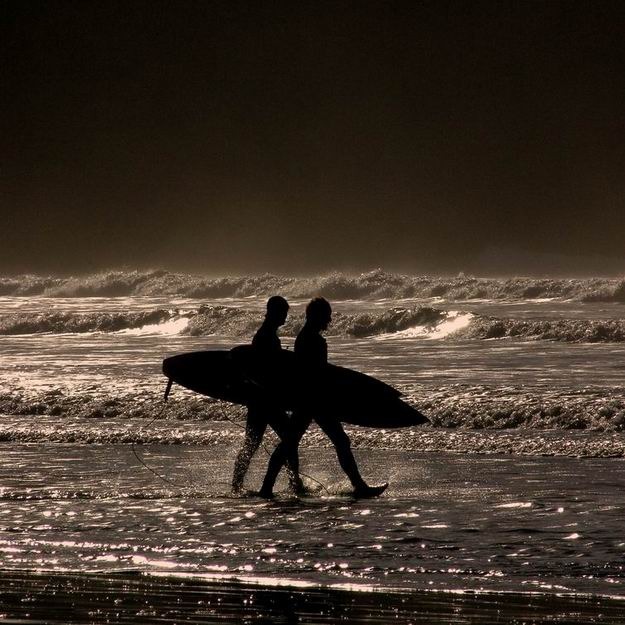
312 352
267 343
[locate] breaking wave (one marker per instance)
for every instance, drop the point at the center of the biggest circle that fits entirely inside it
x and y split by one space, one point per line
564 330
337 286
222 320
239 322
398 322
69 322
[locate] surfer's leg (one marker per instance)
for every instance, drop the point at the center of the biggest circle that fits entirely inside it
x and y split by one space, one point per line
254 432
335 432
277 459
285 450
284 428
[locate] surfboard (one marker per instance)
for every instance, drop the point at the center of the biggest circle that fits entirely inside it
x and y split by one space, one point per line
212 373
241 376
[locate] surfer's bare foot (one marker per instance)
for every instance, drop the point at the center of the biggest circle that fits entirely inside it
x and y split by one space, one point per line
370 491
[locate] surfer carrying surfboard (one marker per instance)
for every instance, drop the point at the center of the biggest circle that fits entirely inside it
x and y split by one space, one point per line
267 343
311 350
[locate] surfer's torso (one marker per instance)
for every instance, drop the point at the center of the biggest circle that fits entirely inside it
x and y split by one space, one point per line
311 347
266 339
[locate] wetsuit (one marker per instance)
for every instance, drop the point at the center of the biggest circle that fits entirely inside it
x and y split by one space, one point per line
259 416
312 352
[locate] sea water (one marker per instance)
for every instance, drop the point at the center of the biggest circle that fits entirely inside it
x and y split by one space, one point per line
517 486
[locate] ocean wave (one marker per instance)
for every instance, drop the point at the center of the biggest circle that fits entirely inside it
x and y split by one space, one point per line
209 320
68 322
564 330
240 322
336 286
448 326
422 322
171 327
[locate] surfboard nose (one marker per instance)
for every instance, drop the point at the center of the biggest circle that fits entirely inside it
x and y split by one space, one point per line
169 366
181 364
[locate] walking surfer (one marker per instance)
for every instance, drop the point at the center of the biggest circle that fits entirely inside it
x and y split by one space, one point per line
259 415
311 350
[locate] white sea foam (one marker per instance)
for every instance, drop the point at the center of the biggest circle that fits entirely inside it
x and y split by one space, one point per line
168 328
453 321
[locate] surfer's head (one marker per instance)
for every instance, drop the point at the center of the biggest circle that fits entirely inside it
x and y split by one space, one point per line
319 313
277 310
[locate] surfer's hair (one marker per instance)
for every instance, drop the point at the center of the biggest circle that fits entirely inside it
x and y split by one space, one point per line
318 307
277 304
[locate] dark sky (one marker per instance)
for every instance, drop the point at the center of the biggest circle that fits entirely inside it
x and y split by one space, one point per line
306 136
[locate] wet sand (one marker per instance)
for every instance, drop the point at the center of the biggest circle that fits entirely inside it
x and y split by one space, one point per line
42 598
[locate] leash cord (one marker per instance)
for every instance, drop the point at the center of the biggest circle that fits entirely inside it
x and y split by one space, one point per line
139 459
168 481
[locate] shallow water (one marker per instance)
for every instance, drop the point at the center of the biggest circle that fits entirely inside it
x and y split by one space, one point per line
448 521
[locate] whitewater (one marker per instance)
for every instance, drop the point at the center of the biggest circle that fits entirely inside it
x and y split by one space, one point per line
516 485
